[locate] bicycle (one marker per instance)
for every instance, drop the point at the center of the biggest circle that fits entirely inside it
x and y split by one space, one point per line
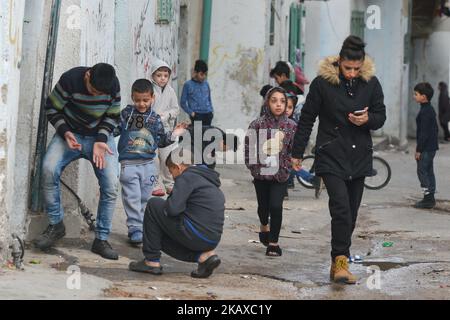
381 175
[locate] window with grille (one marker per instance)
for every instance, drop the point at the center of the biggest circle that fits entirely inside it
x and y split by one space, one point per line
358 24
164 11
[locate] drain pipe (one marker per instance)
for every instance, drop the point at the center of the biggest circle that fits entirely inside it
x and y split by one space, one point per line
35 204
18 251
206 30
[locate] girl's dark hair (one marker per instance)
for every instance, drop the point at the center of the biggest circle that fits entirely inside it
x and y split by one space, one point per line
353 49
271 92
142 86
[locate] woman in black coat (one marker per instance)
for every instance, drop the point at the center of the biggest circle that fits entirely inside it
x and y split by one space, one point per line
444 109
349 101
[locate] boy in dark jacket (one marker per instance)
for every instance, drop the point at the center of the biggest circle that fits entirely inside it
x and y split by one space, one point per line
427 144
189 225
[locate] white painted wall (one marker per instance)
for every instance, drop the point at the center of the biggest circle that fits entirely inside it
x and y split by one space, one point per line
431 64
139 40
11 23
387 49
327 26
237 60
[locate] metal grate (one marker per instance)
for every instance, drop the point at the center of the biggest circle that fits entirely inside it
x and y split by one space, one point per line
165 14
358 24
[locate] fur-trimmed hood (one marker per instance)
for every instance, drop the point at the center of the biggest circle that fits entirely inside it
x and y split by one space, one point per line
329 70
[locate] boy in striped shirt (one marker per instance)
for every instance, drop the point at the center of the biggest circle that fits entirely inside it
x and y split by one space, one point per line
84 108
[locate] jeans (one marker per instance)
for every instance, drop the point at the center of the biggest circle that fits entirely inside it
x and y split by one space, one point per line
138 181
345 199
58 157
425 172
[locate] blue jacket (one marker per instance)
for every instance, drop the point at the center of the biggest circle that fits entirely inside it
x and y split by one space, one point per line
427 129
141 134
196 97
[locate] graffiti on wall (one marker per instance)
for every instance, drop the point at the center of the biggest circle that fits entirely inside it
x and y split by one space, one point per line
242 66
97 30
151 40
248 58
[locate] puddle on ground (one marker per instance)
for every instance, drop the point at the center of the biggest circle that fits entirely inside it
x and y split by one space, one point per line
385 265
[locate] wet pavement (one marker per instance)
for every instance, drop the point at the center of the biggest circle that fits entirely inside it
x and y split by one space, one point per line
416 266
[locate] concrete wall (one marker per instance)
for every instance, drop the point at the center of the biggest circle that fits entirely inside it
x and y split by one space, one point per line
11 23
237 60
139 40
117 32
386 47
431 64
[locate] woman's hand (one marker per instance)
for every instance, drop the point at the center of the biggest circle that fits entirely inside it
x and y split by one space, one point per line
359 120
296 164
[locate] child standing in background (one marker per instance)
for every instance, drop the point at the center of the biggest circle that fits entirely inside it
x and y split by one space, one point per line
166 105
196 96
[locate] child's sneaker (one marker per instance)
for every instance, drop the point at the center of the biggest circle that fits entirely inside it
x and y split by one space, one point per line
158 193
135 237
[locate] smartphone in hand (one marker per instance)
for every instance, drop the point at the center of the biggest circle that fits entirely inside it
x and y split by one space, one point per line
359 112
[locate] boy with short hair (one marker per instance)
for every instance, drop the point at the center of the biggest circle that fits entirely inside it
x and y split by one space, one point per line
189 225
142 133
427 144
166 105
282 75
196 96
84 109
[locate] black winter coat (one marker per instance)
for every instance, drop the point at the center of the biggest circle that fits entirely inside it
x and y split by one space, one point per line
342 148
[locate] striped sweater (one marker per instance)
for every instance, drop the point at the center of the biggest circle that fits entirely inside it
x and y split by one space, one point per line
70 107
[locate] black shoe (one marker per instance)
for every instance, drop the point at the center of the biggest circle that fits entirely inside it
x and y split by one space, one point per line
104 249
291 185
50 236
206 268
141 266
318 184
428 202
264 238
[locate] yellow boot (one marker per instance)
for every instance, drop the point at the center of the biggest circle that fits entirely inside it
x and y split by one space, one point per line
341 273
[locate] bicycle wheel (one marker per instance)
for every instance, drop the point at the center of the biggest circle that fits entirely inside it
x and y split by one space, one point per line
381 174
308 165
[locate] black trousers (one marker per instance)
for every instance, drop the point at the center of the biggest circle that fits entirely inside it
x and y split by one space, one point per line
167 234
270 196
345 199
205 118
445 129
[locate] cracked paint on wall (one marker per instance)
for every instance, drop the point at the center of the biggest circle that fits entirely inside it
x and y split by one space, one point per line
152 40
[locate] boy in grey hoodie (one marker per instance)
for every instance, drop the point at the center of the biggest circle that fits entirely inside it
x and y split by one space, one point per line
167 107
189 225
